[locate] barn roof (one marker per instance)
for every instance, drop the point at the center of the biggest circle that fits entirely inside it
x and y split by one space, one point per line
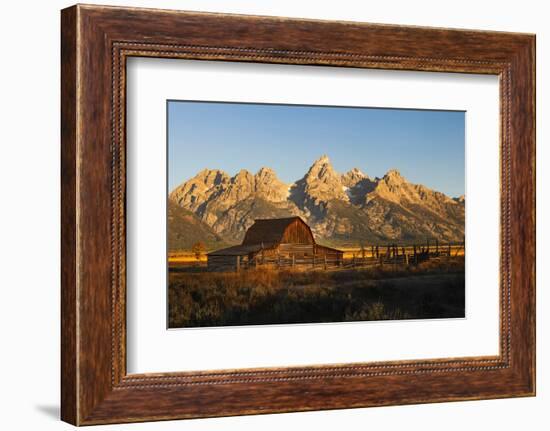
319 246
240 250
269 230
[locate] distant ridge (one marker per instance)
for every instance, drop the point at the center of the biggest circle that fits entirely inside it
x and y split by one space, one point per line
186 229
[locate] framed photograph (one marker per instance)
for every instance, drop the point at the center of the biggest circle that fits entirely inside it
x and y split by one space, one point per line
264 215
299 242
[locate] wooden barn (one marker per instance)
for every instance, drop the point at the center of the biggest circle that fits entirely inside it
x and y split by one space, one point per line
282 242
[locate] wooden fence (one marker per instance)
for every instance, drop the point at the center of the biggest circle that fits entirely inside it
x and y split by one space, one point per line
294 260
403 255
375 255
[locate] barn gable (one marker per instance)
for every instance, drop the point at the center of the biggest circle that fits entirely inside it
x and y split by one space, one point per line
277 231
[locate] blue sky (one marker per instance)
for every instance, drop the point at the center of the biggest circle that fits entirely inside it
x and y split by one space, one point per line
427 147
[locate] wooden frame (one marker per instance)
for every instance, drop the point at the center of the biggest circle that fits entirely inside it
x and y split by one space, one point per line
96 41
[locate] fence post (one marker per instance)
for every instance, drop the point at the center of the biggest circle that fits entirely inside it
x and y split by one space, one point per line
325 260
238 263
293 261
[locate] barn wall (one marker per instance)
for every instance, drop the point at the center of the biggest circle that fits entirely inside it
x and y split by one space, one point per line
296 249
298 233
329 253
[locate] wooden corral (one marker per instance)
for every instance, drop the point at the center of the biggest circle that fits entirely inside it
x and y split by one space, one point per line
283 242
403 254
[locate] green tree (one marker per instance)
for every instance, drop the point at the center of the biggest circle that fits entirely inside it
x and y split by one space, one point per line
198 249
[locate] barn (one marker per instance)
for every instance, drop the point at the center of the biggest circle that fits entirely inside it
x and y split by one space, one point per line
281 242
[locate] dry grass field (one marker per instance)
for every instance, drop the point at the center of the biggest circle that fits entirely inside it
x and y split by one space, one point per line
184 257
433 289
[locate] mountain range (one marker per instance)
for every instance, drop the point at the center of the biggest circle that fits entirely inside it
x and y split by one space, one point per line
341 209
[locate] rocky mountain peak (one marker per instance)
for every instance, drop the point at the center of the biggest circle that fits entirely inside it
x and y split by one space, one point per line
323 160
339 207
200 188
395 188
322 170
269 186
243 175
352 177
356 172
211 177
264 172
322 183
394 176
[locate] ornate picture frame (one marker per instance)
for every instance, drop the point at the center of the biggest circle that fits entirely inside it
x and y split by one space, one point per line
96 41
